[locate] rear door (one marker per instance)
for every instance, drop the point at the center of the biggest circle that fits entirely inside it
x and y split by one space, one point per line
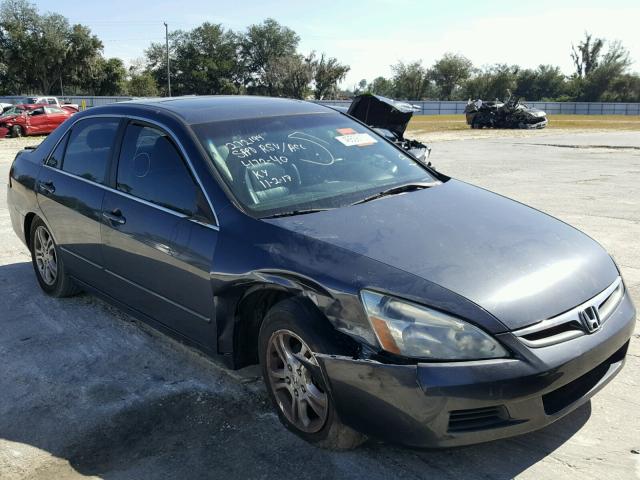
70 190
159 235
55 116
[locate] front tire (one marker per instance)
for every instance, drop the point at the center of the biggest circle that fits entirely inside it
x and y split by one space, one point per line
47 263
17 131
290 335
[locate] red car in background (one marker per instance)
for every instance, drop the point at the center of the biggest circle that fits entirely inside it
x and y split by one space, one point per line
32 119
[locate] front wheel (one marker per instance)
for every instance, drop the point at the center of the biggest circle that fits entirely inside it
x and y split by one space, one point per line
17 131
290 334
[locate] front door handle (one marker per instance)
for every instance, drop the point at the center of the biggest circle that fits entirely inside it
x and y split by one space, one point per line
46 187
115 216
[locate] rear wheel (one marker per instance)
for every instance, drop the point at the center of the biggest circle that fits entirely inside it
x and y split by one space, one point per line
17 131
47 264
290 335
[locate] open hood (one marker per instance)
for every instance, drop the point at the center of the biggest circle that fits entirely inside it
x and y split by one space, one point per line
382 112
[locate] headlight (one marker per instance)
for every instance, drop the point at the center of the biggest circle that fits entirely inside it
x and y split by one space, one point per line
412 330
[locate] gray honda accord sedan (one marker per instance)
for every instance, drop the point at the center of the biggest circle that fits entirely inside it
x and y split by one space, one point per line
380 297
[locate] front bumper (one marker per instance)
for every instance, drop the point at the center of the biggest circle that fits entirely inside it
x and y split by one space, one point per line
460 403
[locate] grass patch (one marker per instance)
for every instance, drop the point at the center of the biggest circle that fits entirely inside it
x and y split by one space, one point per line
443 123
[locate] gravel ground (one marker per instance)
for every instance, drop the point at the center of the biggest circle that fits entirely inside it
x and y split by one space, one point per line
88 392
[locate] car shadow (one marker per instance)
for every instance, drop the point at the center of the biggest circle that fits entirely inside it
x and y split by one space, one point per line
109 397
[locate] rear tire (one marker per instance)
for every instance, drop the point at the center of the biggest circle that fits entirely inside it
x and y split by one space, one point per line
294 329
17 131
47 262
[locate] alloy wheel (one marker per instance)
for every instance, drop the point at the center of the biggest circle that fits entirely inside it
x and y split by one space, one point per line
299 396
45 255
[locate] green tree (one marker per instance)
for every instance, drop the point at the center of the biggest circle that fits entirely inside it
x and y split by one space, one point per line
156 61
83 61
545 82
259 46
109 77
492 82
289 76
19 25
606 69
449 73
410 81
142 84
586 55
206 61
381 86
44 52
327 72
624 88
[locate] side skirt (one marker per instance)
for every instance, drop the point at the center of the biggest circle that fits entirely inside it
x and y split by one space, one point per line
226 359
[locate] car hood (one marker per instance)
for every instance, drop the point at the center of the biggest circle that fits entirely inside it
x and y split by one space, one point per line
8 118
517 263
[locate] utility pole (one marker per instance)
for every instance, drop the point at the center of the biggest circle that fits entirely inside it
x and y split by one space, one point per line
166 37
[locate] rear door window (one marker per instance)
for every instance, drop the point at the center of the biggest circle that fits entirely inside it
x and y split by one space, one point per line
90 148
151 168
55 159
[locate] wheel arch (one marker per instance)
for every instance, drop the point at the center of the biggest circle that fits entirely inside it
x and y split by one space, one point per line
29 218
28 221
254 302
250 312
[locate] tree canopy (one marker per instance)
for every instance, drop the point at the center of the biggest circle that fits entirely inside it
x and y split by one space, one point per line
44 53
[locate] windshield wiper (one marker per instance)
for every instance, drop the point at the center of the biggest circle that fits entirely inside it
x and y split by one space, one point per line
409 187
296 212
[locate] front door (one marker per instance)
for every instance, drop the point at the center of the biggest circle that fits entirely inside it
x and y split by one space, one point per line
37 120
158 235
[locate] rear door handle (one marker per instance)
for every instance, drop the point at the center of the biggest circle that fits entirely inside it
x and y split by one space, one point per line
115 216
46 187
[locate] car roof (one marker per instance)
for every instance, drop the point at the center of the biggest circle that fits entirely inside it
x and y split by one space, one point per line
203 109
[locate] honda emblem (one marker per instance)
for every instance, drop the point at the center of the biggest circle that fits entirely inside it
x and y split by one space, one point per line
590 318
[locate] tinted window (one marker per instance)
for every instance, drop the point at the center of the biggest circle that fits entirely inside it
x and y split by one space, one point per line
89 148
151 168
55 159
53 110
52 101
37 111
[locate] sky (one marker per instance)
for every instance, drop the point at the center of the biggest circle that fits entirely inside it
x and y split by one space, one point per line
372 35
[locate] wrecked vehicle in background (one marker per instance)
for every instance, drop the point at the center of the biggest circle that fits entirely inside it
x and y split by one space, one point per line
509 114
389 118
23 120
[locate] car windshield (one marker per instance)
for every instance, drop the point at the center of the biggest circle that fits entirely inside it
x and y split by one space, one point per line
13 111
19 100
284 164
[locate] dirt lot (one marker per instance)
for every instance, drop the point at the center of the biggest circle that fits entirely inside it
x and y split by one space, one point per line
86 391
